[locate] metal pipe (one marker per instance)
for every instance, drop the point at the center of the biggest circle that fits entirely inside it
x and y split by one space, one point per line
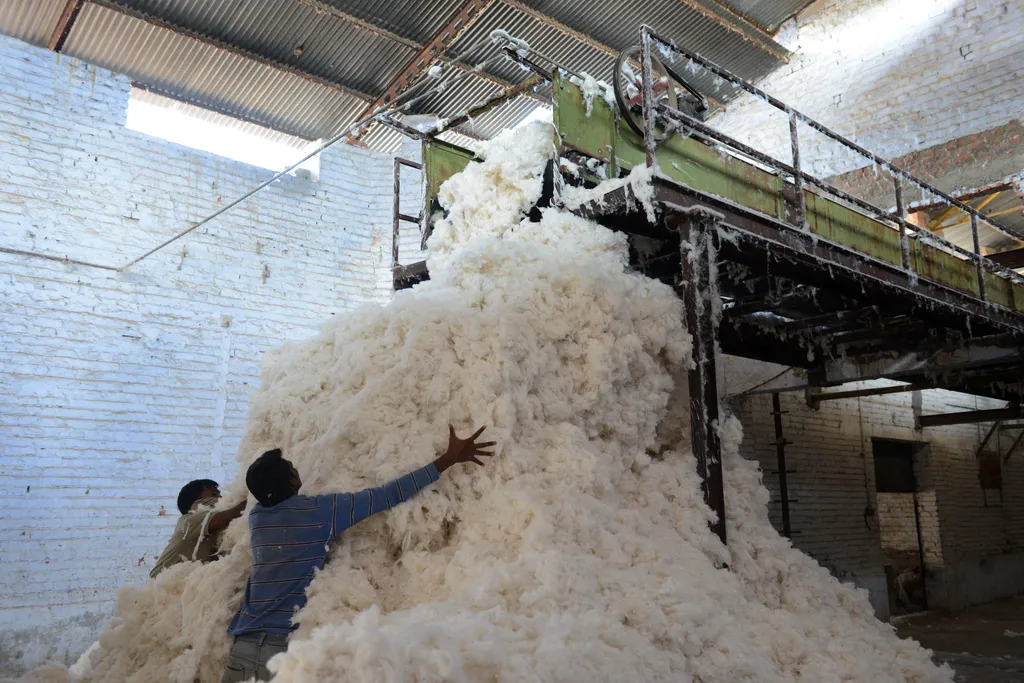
901 217
486 106
980 263
798 176
757 92
648 95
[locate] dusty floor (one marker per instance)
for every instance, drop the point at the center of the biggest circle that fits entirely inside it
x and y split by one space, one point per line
984 644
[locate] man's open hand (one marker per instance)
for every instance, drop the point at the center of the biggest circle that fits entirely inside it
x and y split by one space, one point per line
463 450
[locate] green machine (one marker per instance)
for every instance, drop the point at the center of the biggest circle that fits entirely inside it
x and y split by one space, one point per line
808 276
603 135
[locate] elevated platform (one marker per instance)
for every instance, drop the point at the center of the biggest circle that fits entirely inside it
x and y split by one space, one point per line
775 265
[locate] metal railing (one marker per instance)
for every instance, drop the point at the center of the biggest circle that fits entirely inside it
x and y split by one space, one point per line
651 111
397 215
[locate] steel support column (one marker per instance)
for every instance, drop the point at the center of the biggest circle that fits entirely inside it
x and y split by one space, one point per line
780 454
699 289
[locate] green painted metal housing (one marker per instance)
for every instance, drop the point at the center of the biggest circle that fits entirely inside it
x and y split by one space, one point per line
602 135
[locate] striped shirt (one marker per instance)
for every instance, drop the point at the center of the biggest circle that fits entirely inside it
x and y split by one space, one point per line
290 541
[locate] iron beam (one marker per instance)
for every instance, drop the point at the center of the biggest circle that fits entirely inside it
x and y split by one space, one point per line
699 291
466 15
64 24
1013 447
1008 259
971 417
877 391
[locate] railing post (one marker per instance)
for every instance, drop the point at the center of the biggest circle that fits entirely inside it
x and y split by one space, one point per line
798 174
979 260
901 217
395 212
650 112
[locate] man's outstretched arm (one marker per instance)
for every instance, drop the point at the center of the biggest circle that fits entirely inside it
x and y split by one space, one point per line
352 508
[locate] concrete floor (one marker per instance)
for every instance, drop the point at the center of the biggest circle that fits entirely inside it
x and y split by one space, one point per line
984 644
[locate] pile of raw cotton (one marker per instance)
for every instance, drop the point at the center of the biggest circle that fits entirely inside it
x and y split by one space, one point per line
581 553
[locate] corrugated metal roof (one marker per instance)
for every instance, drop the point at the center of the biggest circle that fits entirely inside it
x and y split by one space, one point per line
290 33
215 78
767 13
30 20
307 67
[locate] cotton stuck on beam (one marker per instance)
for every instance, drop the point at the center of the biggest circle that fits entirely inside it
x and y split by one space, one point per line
576 555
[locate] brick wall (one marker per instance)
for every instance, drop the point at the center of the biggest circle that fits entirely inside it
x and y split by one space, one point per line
974 540
897 527
964 163
115 389
894 75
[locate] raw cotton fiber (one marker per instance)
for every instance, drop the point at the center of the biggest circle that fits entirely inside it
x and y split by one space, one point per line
581 553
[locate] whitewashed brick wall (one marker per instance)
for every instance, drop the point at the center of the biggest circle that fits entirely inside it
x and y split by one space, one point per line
894 75
116 389
974 541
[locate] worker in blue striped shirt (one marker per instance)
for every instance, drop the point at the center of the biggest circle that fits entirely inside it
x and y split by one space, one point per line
290 539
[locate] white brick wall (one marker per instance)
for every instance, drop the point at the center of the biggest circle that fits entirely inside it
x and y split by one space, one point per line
968 535
894 75
116 389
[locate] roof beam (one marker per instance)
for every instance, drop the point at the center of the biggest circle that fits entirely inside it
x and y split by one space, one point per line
466 16
331 10
65 22
115 6
1012 412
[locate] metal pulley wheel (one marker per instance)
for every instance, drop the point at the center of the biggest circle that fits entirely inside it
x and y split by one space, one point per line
669 89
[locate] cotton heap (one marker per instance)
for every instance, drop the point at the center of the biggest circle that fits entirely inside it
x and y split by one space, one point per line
581 553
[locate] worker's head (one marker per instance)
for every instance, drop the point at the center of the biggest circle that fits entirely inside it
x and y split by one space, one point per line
196 490
272 479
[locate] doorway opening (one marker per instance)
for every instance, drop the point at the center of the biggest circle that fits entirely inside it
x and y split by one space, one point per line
905 516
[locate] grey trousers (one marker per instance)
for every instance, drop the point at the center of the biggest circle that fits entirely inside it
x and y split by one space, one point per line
250 654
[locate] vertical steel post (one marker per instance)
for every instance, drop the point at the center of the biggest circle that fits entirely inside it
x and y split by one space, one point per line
901 217
780 452
699 285
979 259
798 175
396 211
648 94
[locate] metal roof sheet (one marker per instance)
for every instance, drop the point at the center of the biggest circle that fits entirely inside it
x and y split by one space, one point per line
290 33
213 78
30 20
308 67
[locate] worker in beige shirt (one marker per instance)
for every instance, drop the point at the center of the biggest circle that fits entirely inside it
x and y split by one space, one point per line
197 534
